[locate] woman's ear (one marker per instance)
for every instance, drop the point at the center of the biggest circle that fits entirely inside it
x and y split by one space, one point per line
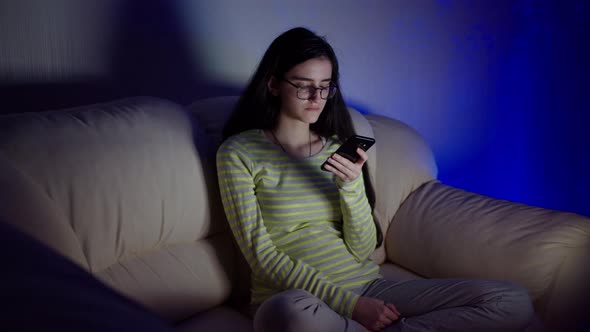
273 86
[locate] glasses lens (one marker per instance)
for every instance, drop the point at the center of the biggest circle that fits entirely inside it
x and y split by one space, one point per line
305 92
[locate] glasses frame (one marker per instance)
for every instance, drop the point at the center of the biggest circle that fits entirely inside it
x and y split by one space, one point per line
300 89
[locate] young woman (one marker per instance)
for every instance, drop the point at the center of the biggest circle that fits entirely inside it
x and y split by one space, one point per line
307 233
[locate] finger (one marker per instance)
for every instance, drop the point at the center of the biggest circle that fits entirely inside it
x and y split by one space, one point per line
330 167
390 314
394 313
344 161
385 321
338 170
339 163
363 156
350 168
393 308
386 316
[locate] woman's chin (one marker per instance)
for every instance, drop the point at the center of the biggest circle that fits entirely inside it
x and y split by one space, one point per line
312 116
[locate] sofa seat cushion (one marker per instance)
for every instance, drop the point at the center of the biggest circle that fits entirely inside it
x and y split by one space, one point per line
218 319
392 271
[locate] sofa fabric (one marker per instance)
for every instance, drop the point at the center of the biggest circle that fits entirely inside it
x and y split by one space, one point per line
445 232
127 193
401 156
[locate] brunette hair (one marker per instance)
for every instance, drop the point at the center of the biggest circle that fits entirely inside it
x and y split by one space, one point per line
257 108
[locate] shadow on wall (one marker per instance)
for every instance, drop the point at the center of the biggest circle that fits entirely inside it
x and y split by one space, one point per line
149 54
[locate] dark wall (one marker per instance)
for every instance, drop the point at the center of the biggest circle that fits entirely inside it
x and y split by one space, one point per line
65 53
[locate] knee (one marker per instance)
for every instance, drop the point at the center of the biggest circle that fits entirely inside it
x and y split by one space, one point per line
514 303
286 312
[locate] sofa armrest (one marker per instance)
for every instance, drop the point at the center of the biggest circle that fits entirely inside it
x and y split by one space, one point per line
441 232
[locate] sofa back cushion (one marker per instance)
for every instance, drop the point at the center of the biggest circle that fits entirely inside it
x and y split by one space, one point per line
129 188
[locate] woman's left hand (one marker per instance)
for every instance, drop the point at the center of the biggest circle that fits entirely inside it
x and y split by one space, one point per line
345 169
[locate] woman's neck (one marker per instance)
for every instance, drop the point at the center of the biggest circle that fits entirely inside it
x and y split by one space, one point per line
293 135
295 139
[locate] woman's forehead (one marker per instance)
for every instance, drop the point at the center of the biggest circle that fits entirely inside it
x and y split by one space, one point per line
317 69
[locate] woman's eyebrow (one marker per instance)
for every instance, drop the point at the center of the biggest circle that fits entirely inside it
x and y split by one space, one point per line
300 78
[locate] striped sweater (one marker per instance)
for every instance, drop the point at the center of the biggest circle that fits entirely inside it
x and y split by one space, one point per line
298 227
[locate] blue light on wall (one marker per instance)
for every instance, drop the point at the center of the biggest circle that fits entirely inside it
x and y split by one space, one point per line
535 146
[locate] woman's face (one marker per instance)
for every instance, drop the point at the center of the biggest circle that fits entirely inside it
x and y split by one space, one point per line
316 73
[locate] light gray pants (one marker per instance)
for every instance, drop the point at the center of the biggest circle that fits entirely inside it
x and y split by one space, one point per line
424 305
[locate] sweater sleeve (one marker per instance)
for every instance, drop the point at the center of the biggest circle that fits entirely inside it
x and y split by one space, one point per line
358 227
236 182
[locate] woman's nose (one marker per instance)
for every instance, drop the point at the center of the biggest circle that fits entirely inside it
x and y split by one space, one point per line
315 96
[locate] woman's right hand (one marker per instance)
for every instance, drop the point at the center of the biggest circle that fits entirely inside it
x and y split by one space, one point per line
374 314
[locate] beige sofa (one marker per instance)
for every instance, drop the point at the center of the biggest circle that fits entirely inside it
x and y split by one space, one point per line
128 191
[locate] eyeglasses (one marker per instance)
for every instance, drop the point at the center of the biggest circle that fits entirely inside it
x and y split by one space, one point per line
308 92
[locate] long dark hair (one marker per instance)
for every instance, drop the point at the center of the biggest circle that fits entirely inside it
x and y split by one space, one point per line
257 108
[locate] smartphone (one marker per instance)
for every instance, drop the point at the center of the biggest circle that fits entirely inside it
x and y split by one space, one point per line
348 149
